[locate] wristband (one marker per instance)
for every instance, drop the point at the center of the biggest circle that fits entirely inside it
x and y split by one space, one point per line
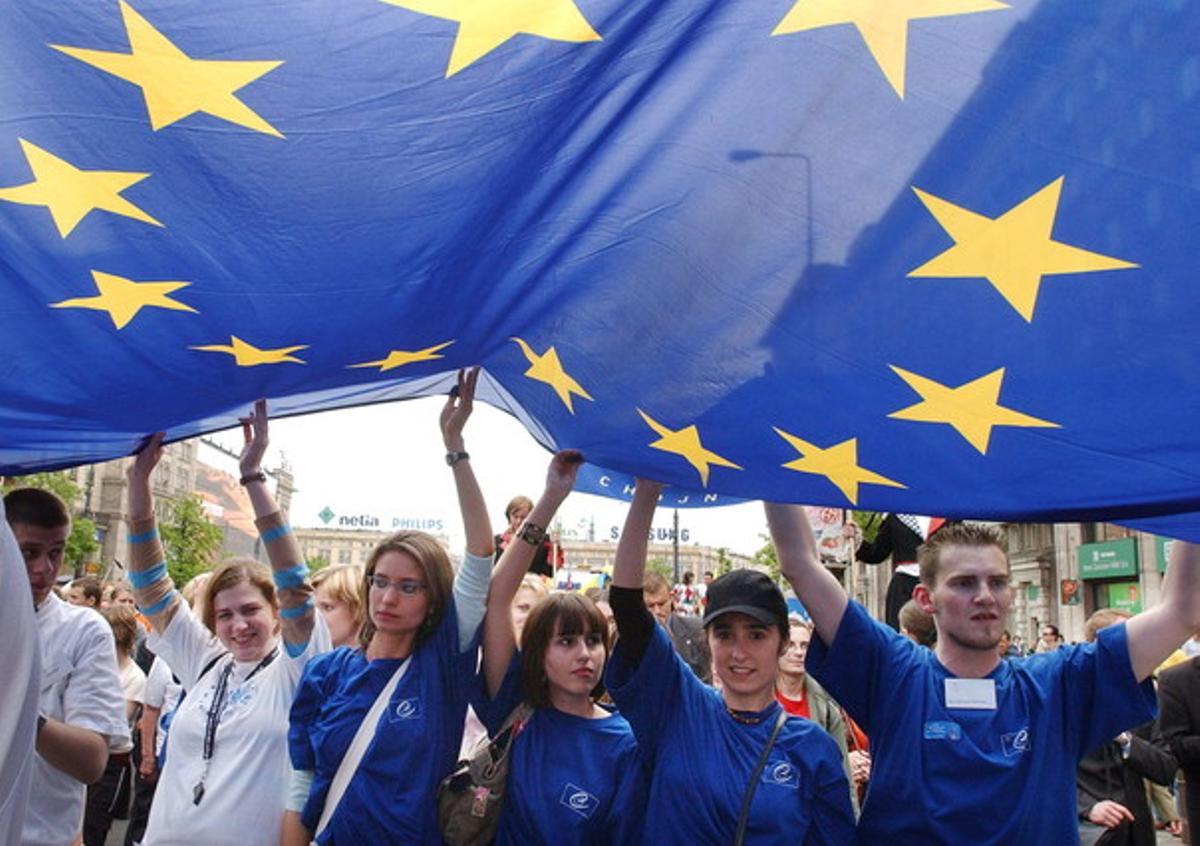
275 532
160 606
292 577
531 533
144 537
260 476
453 458
144 578
297 610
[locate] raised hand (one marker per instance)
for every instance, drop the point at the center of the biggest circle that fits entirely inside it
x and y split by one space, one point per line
255 435
146 458
560 477
458 408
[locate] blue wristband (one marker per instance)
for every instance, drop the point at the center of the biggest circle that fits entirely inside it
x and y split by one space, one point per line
276 533
144 578
160 606
144 536
297 611
292 577
295 650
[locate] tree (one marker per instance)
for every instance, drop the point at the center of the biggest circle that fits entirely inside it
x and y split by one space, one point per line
766 557
81 543
190 540
663 567
724 565
316 562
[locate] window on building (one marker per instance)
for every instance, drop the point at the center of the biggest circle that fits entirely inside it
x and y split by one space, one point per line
343 556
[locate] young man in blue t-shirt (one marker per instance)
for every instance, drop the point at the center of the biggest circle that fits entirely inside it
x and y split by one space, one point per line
967 748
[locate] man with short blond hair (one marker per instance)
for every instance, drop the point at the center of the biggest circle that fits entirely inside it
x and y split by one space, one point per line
687 632
966 747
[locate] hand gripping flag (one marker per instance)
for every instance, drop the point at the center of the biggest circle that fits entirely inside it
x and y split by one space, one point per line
923 256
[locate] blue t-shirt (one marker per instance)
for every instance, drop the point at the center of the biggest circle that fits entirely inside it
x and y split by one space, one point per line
572 781
944 775
392 797
701 760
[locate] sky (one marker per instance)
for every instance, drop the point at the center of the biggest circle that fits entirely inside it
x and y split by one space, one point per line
387 462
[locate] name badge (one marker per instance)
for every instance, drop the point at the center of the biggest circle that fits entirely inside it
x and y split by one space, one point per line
942 730
974 694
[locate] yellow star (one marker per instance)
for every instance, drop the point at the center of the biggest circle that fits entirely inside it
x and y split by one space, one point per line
686 443
175 85
248 355
547 368
838 464
1013 251
972 409
70 193
883 24
122 298
483 25
399 358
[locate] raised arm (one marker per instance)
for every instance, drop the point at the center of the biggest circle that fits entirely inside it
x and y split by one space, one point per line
152 586
635 624
297 612
1157 632
800 564
499 640
476 523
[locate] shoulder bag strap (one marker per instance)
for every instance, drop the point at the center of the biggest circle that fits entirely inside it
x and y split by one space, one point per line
358 747
744 816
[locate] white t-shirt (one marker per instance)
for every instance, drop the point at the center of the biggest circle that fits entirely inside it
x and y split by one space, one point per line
246 787
19 692
80 687
162 692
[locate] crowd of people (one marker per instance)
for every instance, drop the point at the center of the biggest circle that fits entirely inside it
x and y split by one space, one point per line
275 705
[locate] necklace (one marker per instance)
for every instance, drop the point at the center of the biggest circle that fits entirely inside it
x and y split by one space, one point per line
746 718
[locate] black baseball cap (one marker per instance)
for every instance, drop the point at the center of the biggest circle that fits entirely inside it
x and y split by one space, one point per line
747 592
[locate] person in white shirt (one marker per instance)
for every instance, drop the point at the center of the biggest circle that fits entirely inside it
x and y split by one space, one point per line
82 713
19 693
225 778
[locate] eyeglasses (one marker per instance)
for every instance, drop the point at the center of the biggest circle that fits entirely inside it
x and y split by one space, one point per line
407 587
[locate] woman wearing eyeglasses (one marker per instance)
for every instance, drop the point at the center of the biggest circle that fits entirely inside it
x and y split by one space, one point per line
378 725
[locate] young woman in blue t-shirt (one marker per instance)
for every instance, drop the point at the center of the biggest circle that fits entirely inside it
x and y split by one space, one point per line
574 774
702 746
422 629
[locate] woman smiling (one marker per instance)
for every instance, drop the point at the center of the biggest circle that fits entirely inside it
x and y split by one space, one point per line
228 739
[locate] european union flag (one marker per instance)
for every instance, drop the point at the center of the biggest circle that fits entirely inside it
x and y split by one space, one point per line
932 256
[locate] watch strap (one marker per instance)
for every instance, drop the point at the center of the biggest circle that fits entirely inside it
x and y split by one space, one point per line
453 458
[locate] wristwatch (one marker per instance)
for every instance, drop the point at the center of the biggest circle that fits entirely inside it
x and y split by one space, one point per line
532 533
453 458
260 476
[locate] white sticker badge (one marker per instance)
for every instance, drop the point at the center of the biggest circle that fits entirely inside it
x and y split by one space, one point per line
973 694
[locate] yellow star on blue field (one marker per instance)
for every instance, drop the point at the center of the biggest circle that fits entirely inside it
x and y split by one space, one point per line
686 443
838 464
123 298
547 368
973 409
175 85
399 358
483 25
71 193
1013 251
883 24
248 355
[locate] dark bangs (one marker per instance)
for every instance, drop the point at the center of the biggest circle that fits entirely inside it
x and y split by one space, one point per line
568 614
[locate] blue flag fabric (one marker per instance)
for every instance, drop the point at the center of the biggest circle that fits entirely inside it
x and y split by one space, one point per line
931 256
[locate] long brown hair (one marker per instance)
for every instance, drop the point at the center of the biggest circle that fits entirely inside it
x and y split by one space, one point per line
558 614
431 557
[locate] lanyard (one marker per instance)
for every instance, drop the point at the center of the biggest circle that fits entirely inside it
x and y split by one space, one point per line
215 712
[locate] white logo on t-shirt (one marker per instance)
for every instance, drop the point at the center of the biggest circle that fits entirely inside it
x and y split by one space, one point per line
407 709
1015 743
579 800
781 773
